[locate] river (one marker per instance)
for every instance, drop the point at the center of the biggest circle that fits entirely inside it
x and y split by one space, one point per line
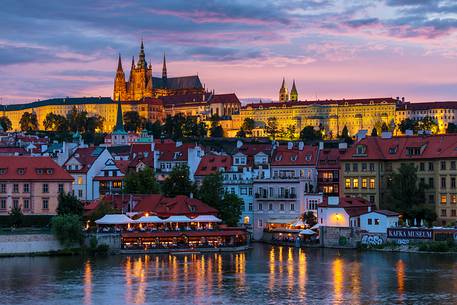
262 275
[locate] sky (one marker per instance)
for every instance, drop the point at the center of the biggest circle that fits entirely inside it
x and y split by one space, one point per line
332 48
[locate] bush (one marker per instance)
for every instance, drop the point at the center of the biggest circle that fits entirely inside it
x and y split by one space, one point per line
67 229
39 221
437 246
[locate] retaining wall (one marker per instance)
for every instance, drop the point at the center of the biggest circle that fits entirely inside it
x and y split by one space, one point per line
12 244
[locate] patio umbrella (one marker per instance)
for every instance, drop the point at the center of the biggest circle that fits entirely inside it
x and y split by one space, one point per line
315 227
307 232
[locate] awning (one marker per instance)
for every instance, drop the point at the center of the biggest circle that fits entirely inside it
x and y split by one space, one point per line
206 218
315 227
281 221
307 232
150 219
114 219
298 223
178 219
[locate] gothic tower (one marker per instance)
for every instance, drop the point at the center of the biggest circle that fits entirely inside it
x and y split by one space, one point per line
164 68
293 93
283 93
120 90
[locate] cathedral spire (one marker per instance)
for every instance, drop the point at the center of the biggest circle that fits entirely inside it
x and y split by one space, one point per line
119 64
141 57
283 93
164 68
294 92
119 128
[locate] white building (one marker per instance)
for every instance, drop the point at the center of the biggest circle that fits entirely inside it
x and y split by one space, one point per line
378 221
342 212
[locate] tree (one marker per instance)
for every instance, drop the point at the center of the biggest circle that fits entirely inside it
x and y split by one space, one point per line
309 218
271 128
6 124
29 122
69 204
55 122
374 132
154 128
290 132
427 123
407 124
67 229
76 120
104 208
141 182
309 134
405 195
230 209
173 127
178 182
216 130
384 127
192 128
211 190
94 123
16 217
246 128
451 128
132 121
345 135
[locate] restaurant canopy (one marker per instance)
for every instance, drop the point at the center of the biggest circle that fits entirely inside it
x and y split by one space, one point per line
175 218
114 219
206 218
150 219
307 232
281 221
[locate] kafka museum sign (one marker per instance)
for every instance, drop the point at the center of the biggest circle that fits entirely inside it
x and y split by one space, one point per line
405 233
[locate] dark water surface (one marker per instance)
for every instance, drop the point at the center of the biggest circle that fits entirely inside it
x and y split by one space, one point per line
263 275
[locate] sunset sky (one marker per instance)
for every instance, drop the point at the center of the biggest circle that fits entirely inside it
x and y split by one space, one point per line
332 49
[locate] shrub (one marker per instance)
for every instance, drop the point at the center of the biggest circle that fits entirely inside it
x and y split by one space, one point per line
67 229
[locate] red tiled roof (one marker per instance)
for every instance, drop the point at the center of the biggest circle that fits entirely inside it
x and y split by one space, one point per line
399 148
282 156
229 98
123 165
386 213
31 168
9 151
169 151
163 206
211 164
353 206
84 156
329 158
366 101
428 106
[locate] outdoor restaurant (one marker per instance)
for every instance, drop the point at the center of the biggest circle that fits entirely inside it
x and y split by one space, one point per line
290 231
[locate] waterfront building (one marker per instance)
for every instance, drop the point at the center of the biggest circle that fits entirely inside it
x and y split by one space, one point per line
84 165
342 211
109 180
378 221
328 168
31 184
366 166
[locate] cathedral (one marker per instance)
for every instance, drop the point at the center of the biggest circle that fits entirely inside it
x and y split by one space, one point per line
284 94
141 83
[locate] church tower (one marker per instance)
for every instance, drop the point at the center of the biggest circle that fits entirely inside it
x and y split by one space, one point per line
283 93
120 89
293 93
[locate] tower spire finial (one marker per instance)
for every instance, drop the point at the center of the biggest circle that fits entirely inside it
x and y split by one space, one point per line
164 68
119 63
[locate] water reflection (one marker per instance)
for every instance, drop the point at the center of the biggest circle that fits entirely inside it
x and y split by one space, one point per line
265 275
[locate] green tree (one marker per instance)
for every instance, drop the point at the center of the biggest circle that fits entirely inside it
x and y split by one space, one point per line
211 190
104 208
173 127
77 120
16 217
427 123
309 218
384 127
178 182
67 229
308 133
154 128
6 124
451 128
29 122
290 132
374 132
94 123
271 128
246 128
230 209
345 135
55 122
141 182
69 204
216 130
404 194
407 124
132 121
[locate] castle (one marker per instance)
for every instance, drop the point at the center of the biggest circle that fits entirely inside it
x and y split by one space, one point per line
142 84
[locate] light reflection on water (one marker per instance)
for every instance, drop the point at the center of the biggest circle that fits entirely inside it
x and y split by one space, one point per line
263 275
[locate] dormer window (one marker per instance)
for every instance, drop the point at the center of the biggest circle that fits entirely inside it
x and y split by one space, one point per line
21 171
39 171
49 171
3 171
278 157
361 149
393 150
293 158
308 157
413 151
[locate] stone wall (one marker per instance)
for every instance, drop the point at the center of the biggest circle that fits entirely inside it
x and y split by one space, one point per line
113 240
339 237
28 244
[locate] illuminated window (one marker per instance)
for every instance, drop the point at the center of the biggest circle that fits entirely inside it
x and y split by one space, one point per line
372 183
347 183
80 180
453 199
364 183
355 183
246 220
443 199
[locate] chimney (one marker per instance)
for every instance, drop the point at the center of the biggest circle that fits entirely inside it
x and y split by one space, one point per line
321 145
290 145
333 200
178 143
369 208
386 135
343 146
409 132
301 145
239 143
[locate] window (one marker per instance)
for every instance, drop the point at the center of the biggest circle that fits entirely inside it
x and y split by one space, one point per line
250 191
281 206
376 221
26 188
270 206
453 167
355 167
431 199
443 213
292 206
431 182
453 213
453 198
370 221
355 183
364 167
372 183
80 180
371 167
443 165
45 203
422 167
15 203
443 182
260 223
347 167
443 199
243 191
26 203
372 198
453 182
3 203
250 207
3 188
80 193
347 183
45 188
61 188
232 190
260 207
15 188
364 183
430 166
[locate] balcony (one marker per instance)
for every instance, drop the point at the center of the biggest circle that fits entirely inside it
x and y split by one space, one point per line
260 196
327 180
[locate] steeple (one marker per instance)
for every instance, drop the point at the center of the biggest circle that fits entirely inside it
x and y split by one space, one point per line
119 128
293 92
119 64
164 68
141 57
283 93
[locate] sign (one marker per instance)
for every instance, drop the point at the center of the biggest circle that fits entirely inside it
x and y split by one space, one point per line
406 233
